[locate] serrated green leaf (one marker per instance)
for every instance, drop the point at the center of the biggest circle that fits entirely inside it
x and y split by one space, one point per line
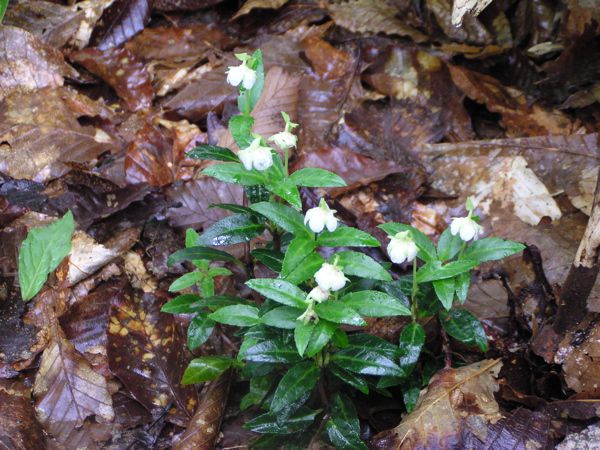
449 245
300 247
280 291
294 389
283 216
235 173
233 229
199 330
426 249
343 427
339 313
287 190
270 258
315 177
375 304
237 315
444 289
212 152
282 317
491 249
194 253
240 127
437 271
346 237
464 327
361 265
41 252
206 368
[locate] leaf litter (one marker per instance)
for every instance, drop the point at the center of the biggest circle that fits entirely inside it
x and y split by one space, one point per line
100 101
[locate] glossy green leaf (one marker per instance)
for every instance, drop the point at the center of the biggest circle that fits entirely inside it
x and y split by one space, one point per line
283 216
41 252
346 237
260 387
365 341
199 330
282 317
219 301
437 271
240 127
300 247
465 327
315 177
426 249
257 194
194 253
339 313
412 339
233 208
322 333
490 249
410 397
361 265
237 315
444 289
356 381
235 173
462 283
449 245
212 152
268 424
185 281
366 362
343 427
280 291
270 258
287 190
272 351
306 269
294 389
302 335
206 368
233 229
182 304
375 304
3 6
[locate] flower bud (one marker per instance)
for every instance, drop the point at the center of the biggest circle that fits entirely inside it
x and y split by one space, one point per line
402 248
241 74
284 139
466 227
256 156
319 217
330 278
318 295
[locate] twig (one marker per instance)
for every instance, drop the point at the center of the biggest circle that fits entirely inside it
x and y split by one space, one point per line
445 347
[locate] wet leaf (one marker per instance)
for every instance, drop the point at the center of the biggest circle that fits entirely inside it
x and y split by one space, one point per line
249 5
343 428
19 428
121 21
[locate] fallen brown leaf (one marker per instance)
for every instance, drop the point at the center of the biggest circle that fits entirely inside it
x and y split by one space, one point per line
19 429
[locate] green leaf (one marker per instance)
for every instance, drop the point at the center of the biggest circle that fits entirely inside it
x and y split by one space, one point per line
212 152
426 249
271 351
235 173
410 397
340 338
449 245
306 270
260 387
185 281
182 304
199 331
437 271
257 193
315 177
365 341
338 313
463 281
287 190
268 424
412 339
375 304
294 389
206 368
361 265
490 249
465 327
270 258
241 130
366 362
283 216
41 252
237 315
194 253
300 247
343 427
233 208
280 291
233 229
3 6
444 289
321 335
282 317
302 335
356 381
346 237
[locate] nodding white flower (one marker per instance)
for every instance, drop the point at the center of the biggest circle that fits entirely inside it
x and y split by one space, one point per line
318 295
284 139
330 277
320 217
466 227
241 74
256 155
402 248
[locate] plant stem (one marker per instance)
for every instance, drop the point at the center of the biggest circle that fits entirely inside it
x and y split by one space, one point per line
462 249
415 290
445 346
286 155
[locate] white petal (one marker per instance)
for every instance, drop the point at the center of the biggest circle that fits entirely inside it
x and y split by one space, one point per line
331 222
263 158
396 252
411 252
318 294
456 225
235 74
467 231
246 158
249 78
317 223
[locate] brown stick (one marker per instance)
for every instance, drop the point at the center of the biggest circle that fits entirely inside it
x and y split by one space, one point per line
583 273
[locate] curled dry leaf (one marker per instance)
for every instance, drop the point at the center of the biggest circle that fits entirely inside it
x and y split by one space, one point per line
472 31
456 404
258 4
27 63
67 391
121 21
19 429
203 430
147 353
122 71
86 257
471 7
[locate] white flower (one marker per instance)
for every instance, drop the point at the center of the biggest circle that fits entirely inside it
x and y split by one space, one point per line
330 278
318 295
320 217
256 156
466 227
284 139
241 74
402 248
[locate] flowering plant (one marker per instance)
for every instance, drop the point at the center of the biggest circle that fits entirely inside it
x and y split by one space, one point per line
301 349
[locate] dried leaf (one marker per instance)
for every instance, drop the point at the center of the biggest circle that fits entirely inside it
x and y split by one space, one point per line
249 5
580 360
146 352
121 21
16 338
471 7
521 429
19 429
456 403
67 391
183 5
86 257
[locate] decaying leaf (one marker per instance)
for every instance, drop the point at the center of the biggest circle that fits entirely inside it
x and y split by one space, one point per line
67 391
258 4
457 403
471 7
86 257
19 429
146 352
121 21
